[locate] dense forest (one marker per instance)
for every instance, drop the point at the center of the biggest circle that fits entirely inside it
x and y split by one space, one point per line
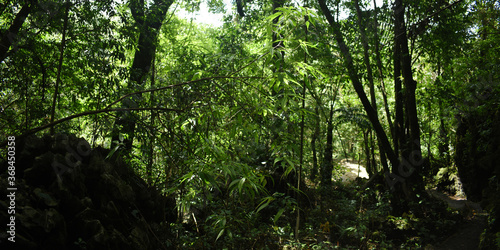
251 134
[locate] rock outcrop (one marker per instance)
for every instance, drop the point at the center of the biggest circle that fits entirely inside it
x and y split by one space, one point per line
69 196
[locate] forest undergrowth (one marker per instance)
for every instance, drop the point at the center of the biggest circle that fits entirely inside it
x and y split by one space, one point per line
346 218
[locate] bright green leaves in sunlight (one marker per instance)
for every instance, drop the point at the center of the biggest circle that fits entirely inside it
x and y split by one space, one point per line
294 15
216 6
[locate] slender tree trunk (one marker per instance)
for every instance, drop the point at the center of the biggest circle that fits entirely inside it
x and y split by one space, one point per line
314 138
278 64
366 55
443 136
327 165
59 66
149 166
414 155
366 59
380 69
429 122
399 134
302 125
366 142
27 103
374 162
95 129
443 144
277 44
399 140
348 61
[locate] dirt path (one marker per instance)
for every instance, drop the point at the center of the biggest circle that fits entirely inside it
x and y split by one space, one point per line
467 236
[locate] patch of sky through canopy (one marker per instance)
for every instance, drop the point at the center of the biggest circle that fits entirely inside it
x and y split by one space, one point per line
204 16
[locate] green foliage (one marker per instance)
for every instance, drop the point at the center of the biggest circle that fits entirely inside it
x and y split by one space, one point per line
222 132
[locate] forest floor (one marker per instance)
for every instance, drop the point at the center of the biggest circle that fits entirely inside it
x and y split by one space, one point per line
350 170
467 234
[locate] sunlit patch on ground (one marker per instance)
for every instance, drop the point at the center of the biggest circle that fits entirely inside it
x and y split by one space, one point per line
350 170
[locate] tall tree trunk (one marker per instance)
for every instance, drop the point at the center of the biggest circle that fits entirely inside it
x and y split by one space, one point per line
366 59
398 201
399 132
353 75
443 136
414 155
399 140
327 165
380 69
149 22
152 138
366 55
59 66
302 125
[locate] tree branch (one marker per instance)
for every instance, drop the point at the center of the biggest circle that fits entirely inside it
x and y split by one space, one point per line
93 112
9 36
177 85
109 109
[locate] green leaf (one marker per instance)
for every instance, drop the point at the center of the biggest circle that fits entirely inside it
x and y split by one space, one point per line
262 206
186 176
207 178
265 202
277 159
220 234
278 215
241 183
233 183
110 154
197 76
273 16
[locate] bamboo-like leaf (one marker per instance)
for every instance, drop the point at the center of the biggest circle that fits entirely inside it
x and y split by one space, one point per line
273 16
110 154
220 234
278 215
233 183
